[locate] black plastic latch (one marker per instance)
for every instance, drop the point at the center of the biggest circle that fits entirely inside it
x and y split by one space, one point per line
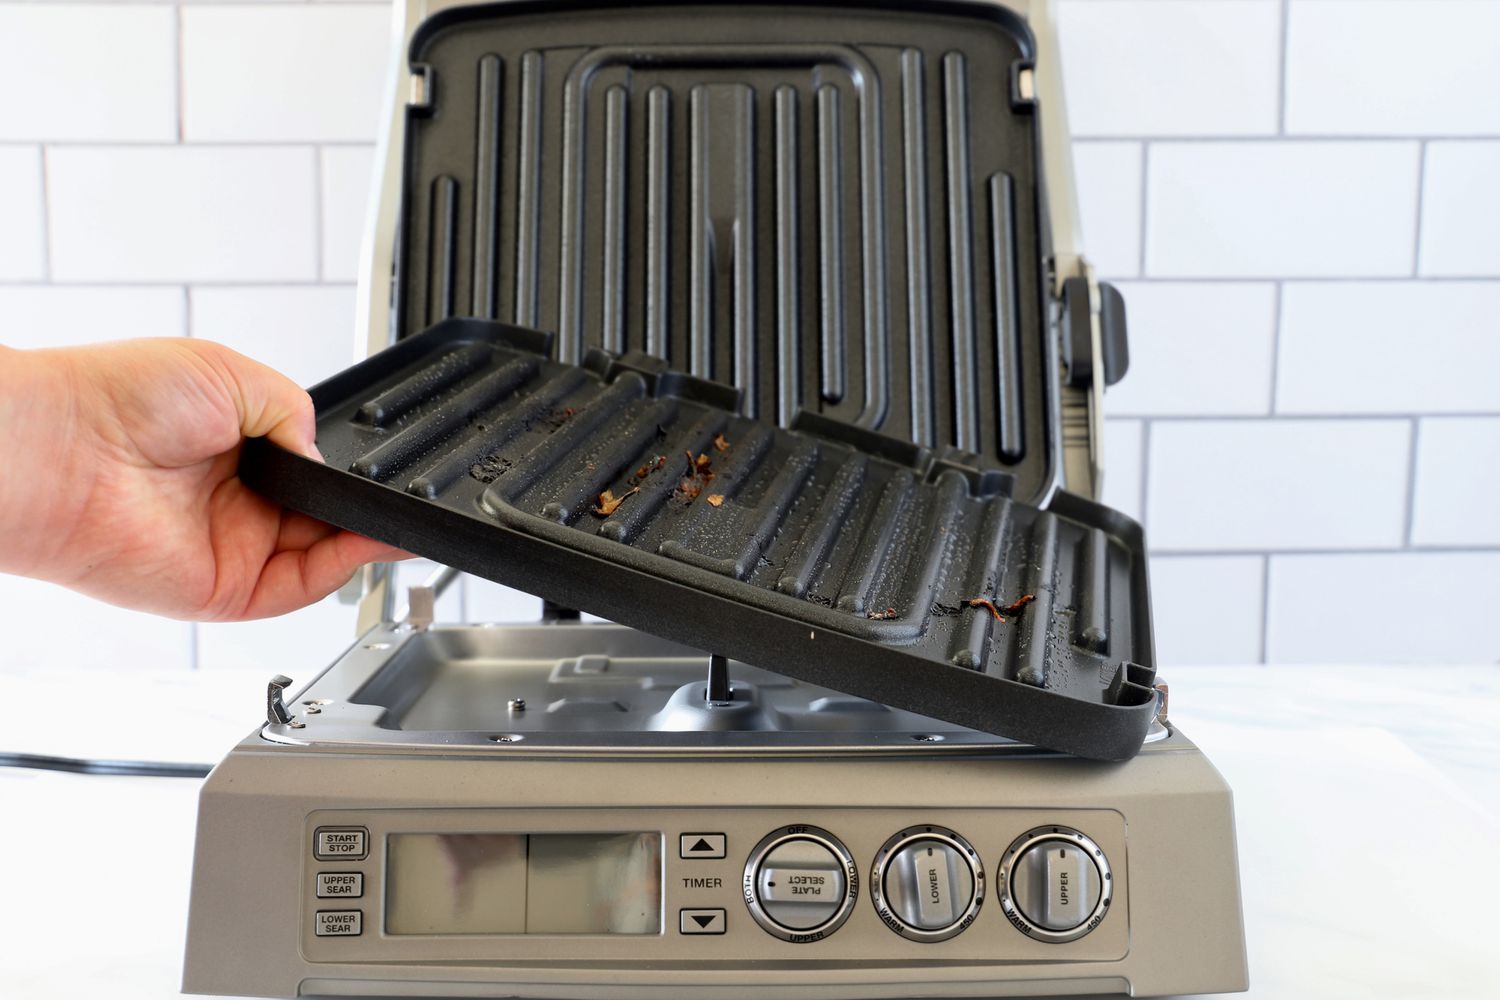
661 379
983 480
1077 350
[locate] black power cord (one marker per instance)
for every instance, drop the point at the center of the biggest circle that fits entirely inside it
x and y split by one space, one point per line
114 768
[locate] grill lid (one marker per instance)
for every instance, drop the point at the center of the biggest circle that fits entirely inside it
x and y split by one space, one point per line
825 552
831 206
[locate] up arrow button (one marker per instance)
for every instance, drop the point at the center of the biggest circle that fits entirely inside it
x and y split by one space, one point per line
701 846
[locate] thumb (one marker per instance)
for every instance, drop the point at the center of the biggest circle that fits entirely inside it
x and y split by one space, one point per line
269 404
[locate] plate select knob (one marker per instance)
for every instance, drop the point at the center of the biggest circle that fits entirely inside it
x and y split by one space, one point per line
1058 884
928 883
800 884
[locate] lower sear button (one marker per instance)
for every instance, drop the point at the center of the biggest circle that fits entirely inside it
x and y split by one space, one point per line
701 922
339 923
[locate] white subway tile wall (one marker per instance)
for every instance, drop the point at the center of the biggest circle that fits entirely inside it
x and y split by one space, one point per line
1460 210
300 330
23 242
311 67
182 213
1457 481
1297 197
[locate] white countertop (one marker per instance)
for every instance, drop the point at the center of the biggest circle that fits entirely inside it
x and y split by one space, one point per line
1368 800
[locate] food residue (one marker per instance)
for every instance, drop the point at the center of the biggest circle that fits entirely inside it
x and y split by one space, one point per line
716 500
699 475
1018 604
880 616
982 602
721 443
1010 609
656 463
609 503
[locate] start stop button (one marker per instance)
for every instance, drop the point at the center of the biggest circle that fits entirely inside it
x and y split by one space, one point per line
800 884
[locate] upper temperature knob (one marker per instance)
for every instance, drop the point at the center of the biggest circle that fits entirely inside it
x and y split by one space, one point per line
800 883
1056 884
928 883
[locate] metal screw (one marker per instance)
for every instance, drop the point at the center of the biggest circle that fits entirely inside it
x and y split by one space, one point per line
516 704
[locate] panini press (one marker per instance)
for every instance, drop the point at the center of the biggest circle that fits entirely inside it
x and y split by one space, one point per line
759 331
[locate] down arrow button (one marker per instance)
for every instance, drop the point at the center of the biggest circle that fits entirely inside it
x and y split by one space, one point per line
701 922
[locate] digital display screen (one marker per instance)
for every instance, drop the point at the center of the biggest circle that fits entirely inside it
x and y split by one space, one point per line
517 883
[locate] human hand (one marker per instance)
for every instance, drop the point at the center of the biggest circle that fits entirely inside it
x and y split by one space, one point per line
117 479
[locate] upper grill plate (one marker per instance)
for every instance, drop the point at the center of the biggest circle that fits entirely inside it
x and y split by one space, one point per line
832 207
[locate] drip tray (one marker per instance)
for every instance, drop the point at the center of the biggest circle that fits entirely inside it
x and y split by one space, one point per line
483 680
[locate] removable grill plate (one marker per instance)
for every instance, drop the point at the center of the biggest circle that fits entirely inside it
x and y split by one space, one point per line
833 206
836 556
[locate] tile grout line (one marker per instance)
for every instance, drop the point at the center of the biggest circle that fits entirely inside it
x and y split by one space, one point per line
1398 280
1299 417
1416 238
1140 264
45 169
298 143
1411 481
1276 139
1281 47
1278 309
1145 457
1478 549
180 89
1265 606
318 224
176 282
1328 279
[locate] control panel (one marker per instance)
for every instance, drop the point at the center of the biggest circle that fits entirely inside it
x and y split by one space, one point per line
848 884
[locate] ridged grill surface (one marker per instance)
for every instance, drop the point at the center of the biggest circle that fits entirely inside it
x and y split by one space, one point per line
832 208
824 530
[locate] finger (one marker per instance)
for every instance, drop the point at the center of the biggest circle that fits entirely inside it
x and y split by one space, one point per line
269 404
295 578
299 531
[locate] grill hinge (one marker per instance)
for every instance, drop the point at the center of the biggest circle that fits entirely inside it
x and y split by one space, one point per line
419 88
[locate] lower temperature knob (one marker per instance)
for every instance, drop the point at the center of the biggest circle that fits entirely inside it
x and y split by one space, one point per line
1055 884
800 884
928 883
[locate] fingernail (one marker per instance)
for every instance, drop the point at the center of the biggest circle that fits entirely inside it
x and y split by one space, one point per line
314 454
